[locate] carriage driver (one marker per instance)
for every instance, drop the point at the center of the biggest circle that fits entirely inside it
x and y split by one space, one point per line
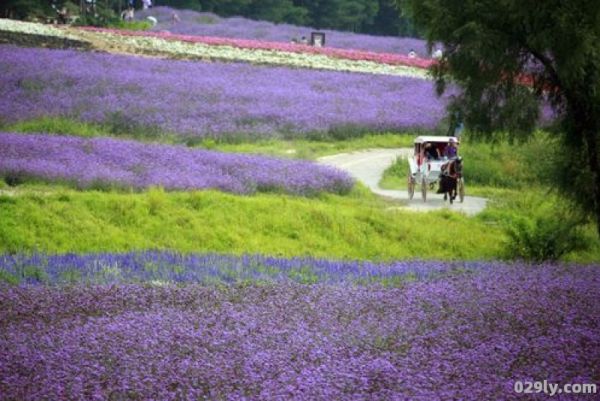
451 151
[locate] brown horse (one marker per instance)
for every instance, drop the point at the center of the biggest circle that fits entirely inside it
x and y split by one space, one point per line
451 172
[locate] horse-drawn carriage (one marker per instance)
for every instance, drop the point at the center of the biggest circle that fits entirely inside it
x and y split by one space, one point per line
435 160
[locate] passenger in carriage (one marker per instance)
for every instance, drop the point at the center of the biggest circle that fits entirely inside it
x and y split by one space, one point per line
431 152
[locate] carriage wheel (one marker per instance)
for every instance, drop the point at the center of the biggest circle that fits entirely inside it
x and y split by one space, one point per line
461 190
424 190
411 186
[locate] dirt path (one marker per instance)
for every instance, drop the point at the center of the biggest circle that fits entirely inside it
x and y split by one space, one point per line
368 167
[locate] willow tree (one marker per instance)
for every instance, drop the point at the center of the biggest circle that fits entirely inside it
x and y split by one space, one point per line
510 57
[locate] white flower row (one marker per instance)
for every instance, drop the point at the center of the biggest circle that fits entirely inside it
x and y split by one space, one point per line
33 28
180 49
258 56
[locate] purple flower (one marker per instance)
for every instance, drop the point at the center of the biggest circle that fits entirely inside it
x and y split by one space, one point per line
199 100
208 24
464 336
88 162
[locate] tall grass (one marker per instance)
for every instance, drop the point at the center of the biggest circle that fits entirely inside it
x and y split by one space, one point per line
357 226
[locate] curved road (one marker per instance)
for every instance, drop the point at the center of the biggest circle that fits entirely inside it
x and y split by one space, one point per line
368 167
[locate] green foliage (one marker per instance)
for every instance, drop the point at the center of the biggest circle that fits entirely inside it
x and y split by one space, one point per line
543 238
510 56
348 15
551 228
25 9
303 275
105 13
390 23
540 225
157 199
367 16
71 276
183 4
8 278
56 125
34 273
276 11
501 164
355 226
131 25
378 17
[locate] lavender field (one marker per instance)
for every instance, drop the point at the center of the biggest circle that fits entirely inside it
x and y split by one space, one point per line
469 336
172 267
218 100
89 162
114 288
208 24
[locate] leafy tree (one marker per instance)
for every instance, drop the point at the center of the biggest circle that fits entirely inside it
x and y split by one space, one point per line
24 9
388 22
511 56
221 7
277 11
350 15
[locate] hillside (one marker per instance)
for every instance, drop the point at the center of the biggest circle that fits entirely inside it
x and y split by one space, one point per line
169 231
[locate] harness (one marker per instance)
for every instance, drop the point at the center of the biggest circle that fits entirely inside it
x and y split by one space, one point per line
449 169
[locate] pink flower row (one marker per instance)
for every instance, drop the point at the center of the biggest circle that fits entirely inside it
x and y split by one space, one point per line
382 58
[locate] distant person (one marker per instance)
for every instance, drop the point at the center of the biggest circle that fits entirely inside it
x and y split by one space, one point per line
90 6
412 53
146 4
128 14
431 152
175 18
303 40
63 16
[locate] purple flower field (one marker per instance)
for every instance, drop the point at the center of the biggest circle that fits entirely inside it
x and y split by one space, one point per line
208 24
138 165
197 99
170 267
467 337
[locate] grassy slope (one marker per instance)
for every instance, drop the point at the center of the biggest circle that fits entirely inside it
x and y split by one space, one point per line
356 226
57 219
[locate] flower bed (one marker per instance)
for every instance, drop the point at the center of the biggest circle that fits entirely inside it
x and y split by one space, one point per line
217 100
469 337
190 47
132 164
208 24
167 267
34 28
359 55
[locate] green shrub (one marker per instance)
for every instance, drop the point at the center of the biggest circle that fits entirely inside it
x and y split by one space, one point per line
130 25
546 237
8 278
